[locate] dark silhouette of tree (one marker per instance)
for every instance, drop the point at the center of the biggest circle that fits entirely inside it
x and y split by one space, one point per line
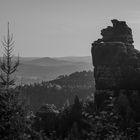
8 65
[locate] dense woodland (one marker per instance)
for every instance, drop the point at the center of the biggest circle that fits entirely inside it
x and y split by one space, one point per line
59 91
74 118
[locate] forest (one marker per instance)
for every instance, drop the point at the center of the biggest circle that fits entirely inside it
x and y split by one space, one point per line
65 108
69 107
58 91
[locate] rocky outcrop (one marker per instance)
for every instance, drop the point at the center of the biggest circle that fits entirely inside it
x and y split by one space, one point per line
119 32
116 61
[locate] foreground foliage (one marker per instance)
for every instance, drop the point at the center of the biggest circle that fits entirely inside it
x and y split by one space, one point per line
86 120
117 118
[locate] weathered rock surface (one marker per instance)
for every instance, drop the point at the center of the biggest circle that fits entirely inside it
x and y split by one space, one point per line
119 32
116 61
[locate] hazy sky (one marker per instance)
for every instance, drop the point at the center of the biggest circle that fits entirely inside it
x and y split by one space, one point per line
64 27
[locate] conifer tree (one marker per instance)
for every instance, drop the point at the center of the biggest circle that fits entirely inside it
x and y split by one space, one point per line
7 65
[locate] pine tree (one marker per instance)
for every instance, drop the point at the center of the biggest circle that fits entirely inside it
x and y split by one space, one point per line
7 65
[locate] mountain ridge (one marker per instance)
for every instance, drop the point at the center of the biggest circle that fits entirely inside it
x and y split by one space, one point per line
46 68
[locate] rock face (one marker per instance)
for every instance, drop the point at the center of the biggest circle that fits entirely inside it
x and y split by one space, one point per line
116 62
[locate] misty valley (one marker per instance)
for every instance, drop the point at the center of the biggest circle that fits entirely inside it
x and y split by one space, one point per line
33 70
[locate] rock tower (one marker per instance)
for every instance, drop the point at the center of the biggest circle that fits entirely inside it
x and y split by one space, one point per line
116 62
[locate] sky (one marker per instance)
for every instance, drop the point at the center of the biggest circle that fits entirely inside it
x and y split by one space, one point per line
56 28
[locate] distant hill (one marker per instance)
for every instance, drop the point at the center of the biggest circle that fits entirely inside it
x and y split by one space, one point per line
24 59
86 59
44 69
47 61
